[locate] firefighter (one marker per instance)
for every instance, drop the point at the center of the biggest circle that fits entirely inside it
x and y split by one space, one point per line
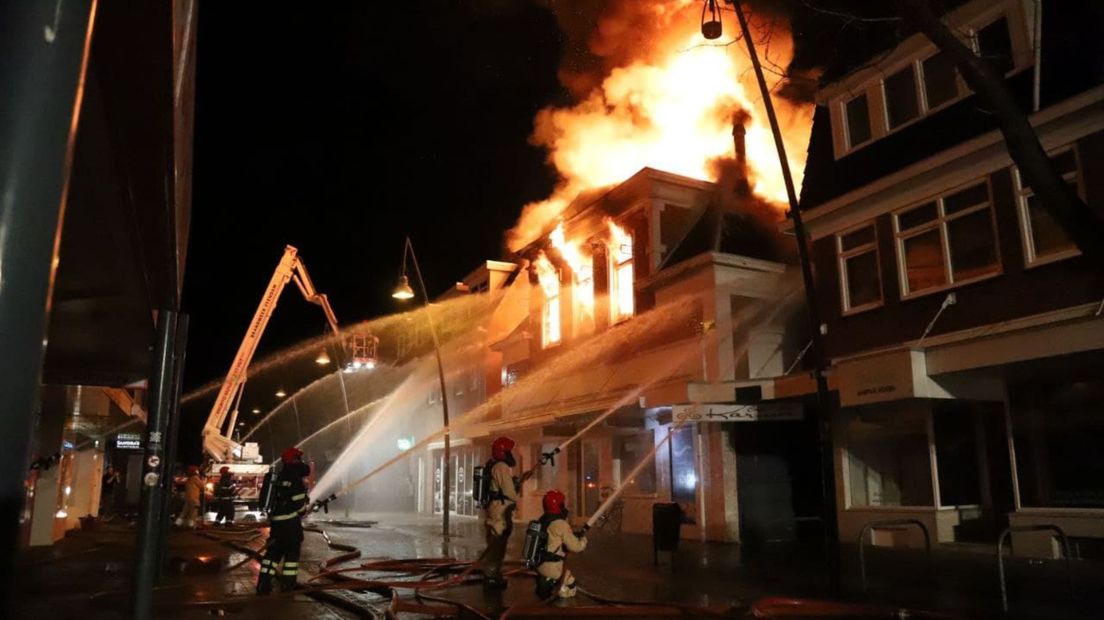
499 510
289 504
224 497
560 540
193 494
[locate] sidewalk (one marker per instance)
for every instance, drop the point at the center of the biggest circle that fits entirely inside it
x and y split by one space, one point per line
88 575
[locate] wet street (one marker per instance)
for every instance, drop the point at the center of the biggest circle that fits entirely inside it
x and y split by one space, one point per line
88 575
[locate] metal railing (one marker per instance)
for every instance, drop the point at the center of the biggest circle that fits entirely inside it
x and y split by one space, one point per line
1031 528
882 524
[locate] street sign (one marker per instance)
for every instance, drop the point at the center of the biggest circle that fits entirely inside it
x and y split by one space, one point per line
730 412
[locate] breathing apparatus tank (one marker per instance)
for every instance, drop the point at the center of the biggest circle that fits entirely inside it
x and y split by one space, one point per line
481 484
536 540
268 489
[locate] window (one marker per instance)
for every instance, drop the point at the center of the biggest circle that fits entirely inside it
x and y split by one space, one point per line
628 452
949 240
549 278
551 320
1044 238
509 376
860 279
621 273
994 43
940 80
858 121
902 104
888 462
582 299
1057 431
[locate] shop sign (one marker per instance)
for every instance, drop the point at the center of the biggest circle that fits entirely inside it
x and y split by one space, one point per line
879 378
730 412
128 441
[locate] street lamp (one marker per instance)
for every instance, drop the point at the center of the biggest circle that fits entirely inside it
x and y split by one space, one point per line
323 359
280 393
404 292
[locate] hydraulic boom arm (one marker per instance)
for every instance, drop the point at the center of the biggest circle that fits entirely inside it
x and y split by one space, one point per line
217 442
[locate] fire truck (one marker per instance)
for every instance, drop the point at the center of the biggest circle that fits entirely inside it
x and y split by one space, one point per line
244 460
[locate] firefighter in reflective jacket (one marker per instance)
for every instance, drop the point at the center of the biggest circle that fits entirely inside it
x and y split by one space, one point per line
499 513
560 540
289 504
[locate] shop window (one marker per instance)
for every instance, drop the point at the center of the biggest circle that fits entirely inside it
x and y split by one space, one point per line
1044 238
994 43
628 452
547 475
1058 431
860 278
901 100
684 471
858 121
888 460
950 240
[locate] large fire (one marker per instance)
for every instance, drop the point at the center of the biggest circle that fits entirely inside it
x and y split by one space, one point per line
669 108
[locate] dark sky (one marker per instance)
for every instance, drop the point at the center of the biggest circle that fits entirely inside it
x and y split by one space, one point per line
340 131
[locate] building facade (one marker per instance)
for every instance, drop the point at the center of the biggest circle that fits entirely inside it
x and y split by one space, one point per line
964 327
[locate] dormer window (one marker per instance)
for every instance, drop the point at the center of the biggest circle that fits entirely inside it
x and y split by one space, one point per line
993 42
900 95
858 121
917 79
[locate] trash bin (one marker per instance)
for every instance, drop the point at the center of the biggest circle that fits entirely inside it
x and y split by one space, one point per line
666 526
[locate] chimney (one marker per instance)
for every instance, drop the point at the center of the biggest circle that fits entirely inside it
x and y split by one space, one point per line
739 133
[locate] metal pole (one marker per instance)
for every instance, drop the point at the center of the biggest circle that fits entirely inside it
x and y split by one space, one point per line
827 467
162 393
446 482
44 50
170 442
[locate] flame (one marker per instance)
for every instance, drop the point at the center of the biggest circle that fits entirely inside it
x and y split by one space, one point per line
670 108
547 275
581 265
620 242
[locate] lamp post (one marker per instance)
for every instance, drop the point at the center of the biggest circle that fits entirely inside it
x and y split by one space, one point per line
404 292
711 29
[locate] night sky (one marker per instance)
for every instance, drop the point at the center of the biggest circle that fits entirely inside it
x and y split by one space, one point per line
342 129
340 132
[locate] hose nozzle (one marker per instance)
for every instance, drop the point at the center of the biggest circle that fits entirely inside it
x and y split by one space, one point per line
549 457
323 504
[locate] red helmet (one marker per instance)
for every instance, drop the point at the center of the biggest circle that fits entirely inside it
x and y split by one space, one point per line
224 470
554 502
193 470
291 455
501 447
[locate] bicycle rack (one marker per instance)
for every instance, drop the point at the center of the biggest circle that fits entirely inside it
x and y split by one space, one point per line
1031 528
886 523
